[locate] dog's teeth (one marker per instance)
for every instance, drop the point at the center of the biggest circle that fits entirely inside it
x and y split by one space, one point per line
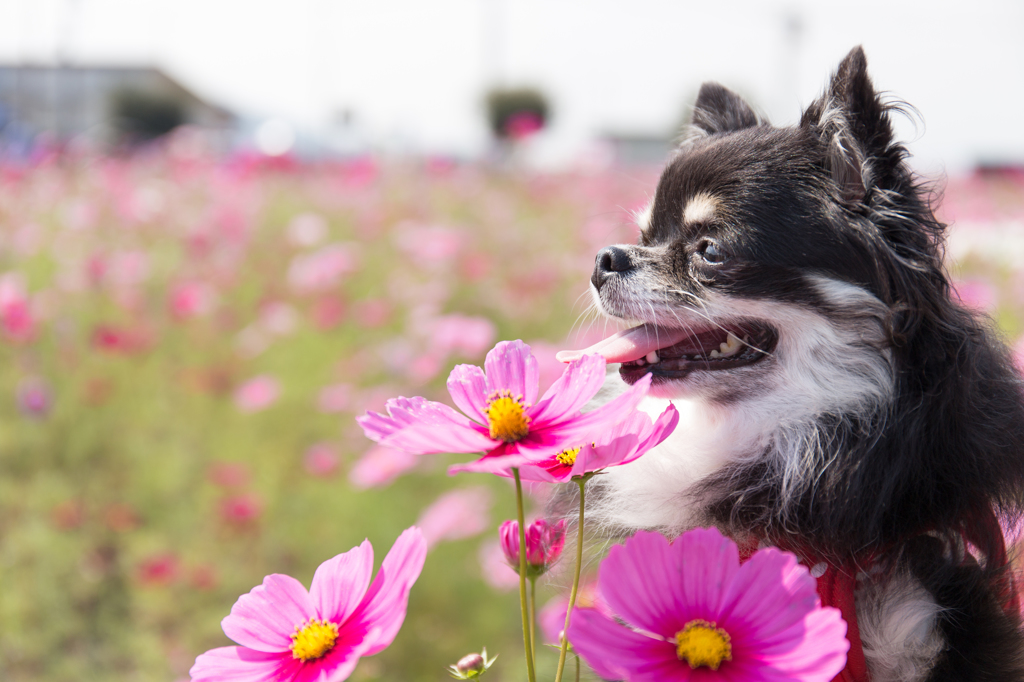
640 362
652 357
715 353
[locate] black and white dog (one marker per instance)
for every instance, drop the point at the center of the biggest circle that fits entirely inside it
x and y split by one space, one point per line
835 397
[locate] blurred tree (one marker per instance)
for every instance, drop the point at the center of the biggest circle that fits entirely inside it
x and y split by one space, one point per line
516 113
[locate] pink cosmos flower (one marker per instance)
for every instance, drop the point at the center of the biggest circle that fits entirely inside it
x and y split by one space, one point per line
191 299
290 635
544 543
688 610
16 318
456 515
241 510
379 466
323 269
34 397
257 394
321 459
505 420
462 335
621 444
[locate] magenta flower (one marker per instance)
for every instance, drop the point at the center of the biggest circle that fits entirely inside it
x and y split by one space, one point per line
505 420
544 542
290 635
689 611
621 444
257 393
457 514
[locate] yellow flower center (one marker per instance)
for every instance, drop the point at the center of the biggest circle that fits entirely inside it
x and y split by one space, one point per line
507 417
314 639
701 643
568 457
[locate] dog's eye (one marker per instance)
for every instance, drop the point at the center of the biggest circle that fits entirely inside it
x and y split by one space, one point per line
712 252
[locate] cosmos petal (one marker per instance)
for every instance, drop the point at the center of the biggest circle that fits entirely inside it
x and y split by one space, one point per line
511 367
617 653
383 607
468 388
239 664
806 661
584 427
579 383
265 618
627 441
340 583
770 592
424 427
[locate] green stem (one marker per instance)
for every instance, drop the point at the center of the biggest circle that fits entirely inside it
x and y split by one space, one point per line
533 617
577 668
527 639
575 584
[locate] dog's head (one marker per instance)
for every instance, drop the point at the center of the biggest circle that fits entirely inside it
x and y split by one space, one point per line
773 255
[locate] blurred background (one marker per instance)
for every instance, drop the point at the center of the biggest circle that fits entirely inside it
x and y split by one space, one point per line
229 226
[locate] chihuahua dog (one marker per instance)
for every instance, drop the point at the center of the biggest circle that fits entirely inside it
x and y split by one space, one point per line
836 398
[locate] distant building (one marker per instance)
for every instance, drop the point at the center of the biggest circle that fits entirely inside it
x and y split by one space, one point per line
105 105
639 149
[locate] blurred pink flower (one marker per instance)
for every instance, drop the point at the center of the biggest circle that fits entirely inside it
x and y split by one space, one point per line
462 335
16 316
321 459
495 570
328 312
229 474
307 229
423 368
505 420
379 466
241 509
336 398
124 340
976 294
291 635
322 270
34 397
551 616
158 570
372 313
697 607
257 394
127 269
544 543
191 299
428 245
457 514
278 318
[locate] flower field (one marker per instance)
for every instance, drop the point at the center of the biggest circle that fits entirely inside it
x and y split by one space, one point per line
187 341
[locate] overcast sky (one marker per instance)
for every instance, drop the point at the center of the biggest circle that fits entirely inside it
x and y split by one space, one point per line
415 70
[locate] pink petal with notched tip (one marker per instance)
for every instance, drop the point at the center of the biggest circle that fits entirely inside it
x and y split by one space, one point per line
424 427
627 441
467 385
579 428
617 653
807 661
510 366
580 382
768 594
660 587
382 609
340 583
239 664
265 618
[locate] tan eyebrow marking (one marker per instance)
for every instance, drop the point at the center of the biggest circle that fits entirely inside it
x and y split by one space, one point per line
700 208
642 216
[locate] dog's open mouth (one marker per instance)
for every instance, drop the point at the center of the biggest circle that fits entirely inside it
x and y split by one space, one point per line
674 353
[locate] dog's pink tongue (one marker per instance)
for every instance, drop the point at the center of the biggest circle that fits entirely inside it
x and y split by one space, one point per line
629 344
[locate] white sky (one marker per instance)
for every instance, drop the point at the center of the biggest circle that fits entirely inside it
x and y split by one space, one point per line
415 70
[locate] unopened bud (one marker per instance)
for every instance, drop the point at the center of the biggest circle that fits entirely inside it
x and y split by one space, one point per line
471 663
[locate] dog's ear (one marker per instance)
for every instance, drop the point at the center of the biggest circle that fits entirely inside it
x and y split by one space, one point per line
720 110
853 124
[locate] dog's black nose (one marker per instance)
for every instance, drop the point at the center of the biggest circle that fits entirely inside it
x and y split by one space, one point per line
609 260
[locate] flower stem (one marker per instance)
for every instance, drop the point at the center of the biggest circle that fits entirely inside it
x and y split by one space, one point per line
575 583
533 617
527 638
577 669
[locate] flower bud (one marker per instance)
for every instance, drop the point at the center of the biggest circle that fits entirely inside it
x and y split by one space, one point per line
544 542
472 666
470 663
